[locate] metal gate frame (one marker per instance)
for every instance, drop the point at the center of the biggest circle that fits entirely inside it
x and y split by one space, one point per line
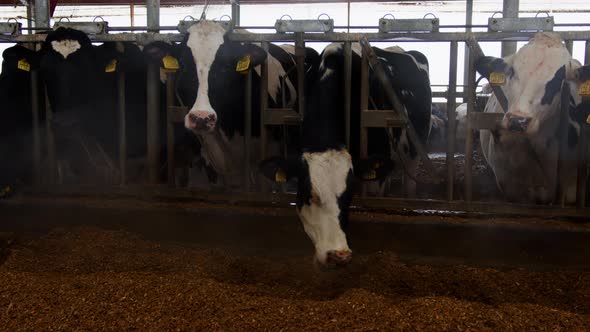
451 37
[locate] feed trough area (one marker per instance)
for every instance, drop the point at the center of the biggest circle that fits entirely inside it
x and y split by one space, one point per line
121 264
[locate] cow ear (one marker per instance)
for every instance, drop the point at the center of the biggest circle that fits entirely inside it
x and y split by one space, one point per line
255 53
156 51
374 168
486 65
278 169
582 74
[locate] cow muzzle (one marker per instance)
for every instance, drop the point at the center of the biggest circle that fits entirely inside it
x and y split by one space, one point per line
517 123
335 259
200 120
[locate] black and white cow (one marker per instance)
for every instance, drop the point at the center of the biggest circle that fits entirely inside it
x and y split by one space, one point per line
15 111
211 82
523 152
325 170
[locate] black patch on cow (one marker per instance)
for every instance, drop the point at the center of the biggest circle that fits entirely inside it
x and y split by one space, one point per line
303 185
583 73
572 136
489 64
344 201
553 87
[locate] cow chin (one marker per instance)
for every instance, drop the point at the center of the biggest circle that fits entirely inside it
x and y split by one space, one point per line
323 228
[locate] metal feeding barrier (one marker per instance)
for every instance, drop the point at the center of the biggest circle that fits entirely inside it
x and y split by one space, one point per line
300 32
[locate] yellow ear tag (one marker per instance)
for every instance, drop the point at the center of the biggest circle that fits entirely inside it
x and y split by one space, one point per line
23 64
243 65
585 89
280 176
170 63
588 119
111 67
370 175
497 78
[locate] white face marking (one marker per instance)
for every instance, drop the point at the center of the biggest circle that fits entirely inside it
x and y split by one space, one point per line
204 40
327 172
65 47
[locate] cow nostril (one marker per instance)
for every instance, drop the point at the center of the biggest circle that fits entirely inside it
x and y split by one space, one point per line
339 257
193 118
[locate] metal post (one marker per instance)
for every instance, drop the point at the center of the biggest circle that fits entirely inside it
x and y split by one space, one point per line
347 87
364 96
247 130
263 103
300 59
51 157
469 140
569 44
36 129
468 22
561 188
122 120
153 135
451 123
235 12
41 12
30 15
153 15
583 158
509 10
170 77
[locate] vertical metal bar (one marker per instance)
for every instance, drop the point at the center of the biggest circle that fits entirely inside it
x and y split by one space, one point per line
122 120
153 135
364 95
263 104
41 13
153 15
469 139
235 12
561 189
583 158
468 22
569 44
50 137
247 131
300 59
36 130
451 123
170 77
347 87
131 13
364 103
509 10
30 15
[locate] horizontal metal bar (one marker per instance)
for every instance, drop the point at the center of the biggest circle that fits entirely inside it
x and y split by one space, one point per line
381 119
281 116
146 37
485 120
286 200
177 113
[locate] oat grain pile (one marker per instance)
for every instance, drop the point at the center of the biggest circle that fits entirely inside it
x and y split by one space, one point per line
88 278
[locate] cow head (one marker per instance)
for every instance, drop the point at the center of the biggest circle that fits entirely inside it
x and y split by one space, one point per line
219 65
531 80
325 187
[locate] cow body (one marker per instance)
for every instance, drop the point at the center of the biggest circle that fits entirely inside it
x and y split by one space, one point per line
523 152
17 119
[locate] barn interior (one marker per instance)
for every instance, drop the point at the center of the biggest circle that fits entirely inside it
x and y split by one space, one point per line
168 249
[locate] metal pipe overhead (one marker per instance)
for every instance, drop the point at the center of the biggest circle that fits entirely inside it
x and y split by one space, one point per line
153 15
41 13
510 10
468 25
